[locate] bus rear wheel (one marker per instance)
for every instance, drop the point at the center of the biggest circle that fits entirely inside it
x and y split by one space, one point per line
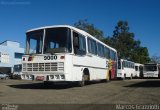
141 75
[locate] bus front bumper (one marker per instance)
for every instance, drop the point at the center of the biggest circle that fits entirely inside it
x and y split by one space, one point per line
44 77
150 75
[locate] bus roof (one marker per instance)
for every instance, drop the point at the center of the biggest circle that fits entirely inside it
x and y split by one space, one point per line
126 60
151 64
73 28
138 64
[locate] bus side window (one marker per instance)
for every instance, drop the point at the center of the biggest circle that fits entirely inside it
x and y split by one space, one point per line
100 50
92 46
113 55
107 52
79 43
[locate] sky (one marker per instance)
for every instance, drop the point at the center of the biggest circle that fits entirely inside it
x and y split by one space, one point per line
143 16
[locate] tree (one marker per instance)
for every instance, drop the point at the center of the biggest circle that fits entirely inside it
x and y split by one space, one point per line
155 59
126 45
90 28
141 55
123 40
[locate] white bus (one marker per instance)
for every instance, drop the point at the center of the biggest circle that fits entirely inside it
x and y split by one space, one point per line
17 71
151 70
125 69
65 53
138 70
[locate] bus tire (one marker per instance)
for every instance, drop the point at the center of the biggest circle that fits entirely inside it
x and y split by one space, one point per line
124 78
85 78
110 77
131 76
141 75
82 82
86 75
6 78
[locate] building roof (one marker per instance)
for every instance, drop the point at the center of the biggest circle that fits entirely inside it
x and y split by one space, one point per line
10 43
7 41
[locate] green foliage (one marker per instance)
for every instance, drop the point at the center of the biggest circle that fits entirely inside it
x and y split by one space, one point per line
141 55
127 46
90 28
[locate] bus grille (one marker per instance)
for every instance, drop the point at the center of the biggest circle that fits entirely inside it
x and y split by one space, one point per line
43 67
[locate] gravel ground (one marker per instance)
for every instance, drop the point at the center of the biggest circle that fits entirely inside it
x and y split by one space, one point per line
135 91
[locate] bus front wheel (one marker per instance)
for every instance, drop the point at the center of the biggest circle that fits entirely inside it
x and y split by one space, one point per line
131 76
82 82
124 77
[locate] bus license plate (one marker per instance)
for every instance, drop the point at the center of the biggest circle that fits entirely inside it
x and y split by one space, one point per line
40 78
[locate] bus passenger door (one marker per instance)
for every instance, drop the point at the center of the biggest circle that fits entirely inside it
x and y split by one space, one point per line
79 59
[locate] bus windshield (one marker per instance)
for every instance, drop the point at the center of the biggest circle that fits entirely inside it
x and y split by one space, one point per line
34 42
57 40
150 68
17 68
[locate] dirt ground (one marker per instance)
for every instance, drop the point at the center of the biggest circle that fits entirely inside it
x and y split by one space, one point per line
135 91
